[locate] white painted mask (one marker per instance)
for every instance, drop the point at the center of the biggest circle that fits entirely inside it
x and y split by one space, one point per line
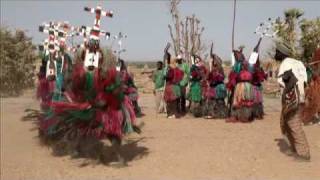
91 59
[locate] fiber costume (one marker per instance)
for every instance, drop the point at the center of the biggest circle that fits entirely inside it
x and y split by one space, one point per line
130 88
183 84
56 63
64 72
258 77
239 84
195 94
46 78
95 105
245 81
215 106
172 91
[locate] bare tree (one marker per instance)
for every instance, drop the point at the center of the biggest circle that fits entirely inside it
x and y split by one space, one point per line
185 33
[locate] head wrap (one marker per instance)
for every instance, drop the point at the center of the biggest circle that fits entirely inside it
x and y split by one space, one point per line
283 47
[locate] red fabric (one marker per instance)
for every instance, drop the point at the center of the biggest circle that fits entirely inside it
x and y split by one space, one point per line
259 76
215 77
245 75
178 75
195 74
97 79
44 92
129 106
111 97
210 92
232 80
113 118
78 82
59 107
175 75
113 101
204 83
244 103
43 88
112 122
258 97
111 75
316 78
110 116
130 90
169 94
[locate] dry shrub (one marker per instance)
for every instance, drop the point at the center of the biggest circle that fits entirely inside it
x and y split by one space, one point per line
18 58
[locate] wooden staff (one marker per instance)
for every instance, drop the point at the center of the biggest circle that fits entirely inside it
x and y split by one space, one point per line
313 63
233 23
230 94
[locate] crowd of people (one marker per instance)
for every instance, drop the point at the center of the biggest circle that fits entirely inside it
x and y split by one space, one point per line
208 95
240 98
84 97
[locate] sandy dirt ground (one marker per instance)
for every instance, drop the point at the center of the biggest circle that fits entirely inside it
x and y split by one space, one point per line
179 149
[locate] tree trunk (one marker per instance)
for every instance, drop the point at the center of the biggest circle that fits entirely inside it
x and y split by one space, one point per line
187 36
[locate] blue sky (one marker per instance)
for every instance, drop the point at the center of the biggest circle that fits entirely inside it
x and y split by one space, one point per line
146 22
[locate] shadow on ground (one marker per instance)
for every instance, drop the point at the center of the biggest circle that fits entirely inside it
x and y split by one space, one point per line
283 145
90 150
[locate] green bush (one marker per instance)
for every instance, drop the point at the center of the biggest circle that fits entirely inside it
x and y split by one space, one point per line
310 37
301 34
18 58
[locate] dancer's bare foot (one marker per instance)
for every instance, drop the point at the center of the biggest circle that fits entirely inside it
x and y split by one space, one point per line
172 117
232 120
116 146
120 163
300 158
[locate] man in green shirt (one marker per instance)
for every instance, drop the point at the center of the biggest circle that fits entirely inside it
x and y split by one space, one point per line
159 82
183 84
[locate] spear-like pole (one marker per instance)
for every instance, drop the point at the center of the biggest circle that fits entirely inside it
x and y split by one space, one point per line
230 94
233 23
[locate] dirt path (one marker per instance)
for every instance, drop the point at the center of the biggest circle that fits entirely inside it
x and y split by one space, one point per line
167 149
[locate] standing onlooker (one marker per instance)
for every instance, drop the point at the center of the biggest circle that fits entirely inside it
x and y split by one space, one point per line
292 77
158 79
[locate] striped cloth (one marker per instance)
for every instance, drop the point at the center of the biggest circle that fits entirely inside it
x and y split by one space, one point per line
291 124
